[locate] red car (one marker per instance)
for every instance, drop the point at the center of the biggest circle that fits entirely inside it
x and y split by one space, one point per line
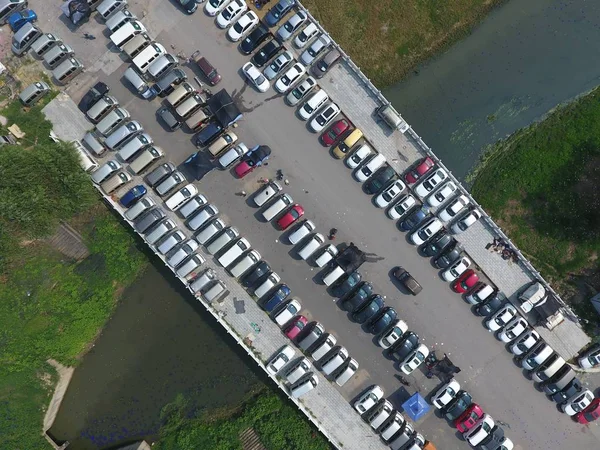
467 420
294 213
589 414
465 282
421 169
295 327
335 131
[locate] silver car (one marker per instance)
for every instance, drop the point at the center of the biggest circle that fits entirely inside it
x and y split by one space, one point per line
315 49
169 183
291 26
278 64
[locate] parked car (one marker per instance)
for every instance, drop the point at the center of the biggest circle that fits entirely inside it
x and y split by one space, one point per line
480 431
465 281
407 280
457 406
389 194
323 65
469 418
456 269
525 342
324 117
290 217
133 196
414 359
421 168
289 78
577 403
382 320
256 77
358 156
490 306
346 284
465 221
591 358
291 25
255 38
278 64
168 118
276 13
368 399
95 93
214 7
445 394
403 205
335 132
315 49
261 270
513 329
431 182
426 231
301 91
287 312
437 243
454 208
368 310
442 194
590 413
303 230
283 357
267 193
177 200
277 297
266 52
253 159
295 327
232 11
242 26
358 298
417 217
448 256
501 318
377 181
405 346
395 331
309 32
17 19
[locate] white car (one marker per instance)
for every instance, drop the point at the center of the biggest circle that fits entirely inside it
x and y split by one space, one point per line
286 30
242 26
325 255
177 200
431 182
266 193
256 77
525 342
590 359
214 7
451 211
315 49
415 359
400 208
577 403
481 430
358 156
324 118
390 194
442 194
309 32
456 269
501 318
278 64
280 359
466 221
232 11
286 314
514 329
302 90
301 232
425 231
368 399
445 394
289 78
393 333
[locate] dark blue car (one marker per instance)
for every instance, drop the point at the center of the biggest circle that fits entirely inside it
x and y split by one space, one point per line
383 320
133 195
20 18
276 298
278 11
414 219
369 309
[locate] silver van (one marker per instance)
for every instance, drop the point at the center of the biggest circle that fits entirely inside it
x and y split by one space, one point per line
267 193
178 254
232 155
32 93
210 231
181 92
7 7
121 134
145 159
334 360
102 107
115 182
304 385
56 54
23 38
119 19
268 284
279 205
403 437
311 246
215 292
133 146
127 32
160 173
297 370
152 216
536 356
190 105
136 45
203 280
109 8
160 230
380 414
246 263
94 143
392 426
44 43
169 183
139 84
348 371
170 241
333 275
112 120
234 252
316 331
67 70
193 205
190 266
202 217
105 171
324 347
162 66
151 53
138 208
548 368
86 161
228 235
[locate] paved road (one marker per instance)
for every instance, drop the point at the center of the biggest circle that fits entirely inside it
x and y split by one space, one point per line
333 199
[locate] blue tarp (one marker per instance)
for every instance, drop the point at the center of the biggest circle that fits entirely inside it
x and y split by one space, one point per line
415 407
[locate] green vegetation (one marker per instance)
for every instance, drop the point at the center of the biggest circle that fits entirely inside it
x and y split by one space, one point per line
276 421
541 185
50 307
388 38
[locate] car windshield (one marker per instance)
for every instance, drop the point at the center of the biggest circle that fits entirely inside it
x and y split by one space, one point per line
238 27
215 3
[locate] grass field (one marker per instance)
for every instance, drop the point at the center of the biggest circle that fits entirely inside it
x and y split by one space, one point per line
388 38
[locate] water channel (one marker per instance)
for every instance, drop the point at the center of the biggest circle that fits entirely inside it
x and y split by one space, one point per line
158 344
526 57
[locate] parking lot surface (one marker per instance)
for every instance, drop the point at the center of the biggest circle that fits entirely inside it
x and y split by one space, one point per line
331 198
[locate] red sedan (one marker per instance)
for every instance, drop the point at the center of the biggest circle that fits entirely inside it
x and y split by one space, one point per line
467 420
294 213
589 414
421 169
295 327
465 282
336 130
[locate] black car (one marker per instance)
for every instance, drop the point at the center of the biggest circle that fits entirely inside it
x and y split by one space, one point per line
437 243
168 118
403 347
93 95
261 270
266 52
361 295
379 180
489 307
416 218
448 256
457 406
255 38
257 155
209 133
407 280
493 440
346 285
574 387
369 309
167 83
383 320
189 6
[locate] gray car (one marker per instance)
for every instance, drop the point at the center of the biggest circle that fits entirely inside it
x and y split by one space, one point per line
147 220
326 62
169 183
160 173
171 122
315 49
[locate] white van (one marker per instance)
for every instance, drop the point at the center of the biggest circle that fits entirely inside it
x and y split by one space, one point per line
297 370
119 19
267 285
193 205
234 252
311 106
127 32
249 260
210 231
479 294
367 170
148 56
202 281
101 108
133 146
393 425
333 275
536 356
215 292
189 267
324 347
140 207
311 246
181 92
279 205
115 182
380 414
224 238
304 385
145 159
303 230
202 217
326 255
109 8
266 193
159 231
347 372
112 120
334 361
86 161
548 368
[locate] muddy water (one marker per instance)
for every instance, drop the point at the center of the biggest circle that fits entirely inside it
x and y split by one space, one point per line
159 343
523 60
